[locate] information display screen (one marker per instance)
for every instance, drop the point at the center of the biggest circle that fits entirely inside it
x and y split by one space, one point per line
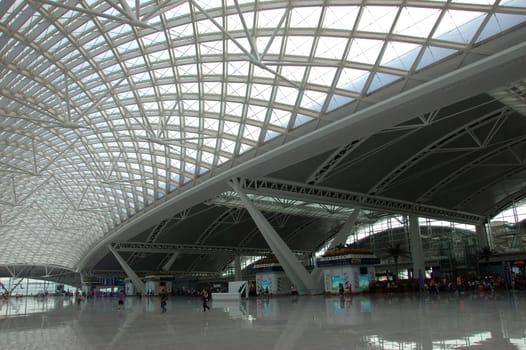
363 281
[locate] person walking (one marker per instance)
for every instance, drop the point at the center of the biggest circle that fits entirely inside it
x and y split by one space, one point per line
164 300
204 296
120 305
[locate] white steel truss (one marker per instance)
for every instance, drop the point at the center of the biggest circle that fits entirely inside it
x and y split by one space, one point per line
353 199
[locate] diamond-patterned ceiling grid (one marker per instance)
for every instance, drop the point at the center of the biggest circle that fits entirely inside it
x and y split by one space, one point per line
105 111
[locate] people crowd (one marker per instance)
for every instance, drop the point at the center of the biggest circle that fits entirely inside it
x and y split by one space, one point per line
453 284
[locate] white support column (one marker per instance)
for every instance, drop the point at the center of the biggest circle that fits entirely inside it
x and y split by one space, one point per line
237 268
139 285
170 262
295 271
482 236
345 231
417 252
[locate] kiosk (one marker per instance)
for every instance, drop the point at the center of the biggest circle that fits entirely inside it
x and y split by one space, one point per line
153 282
349 269
271 279
129 288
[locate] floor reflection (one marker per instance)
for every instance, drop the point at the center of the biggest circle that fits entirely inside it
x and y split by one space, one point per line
360 322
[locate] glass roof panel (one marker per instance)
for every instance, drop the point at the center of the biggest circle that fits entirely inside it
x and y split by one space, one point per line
378 19
118 113
416 21
459 26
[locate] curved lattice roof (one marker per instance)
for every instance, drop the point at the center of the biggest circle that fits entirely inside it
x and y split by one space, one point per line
107 108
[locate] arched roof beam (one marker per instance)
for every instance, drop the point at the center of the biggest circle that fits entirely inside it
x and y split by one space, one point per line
388 179
468 166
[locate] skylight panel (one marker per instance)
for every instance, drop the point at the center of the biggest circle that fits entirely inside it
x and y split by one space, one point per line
416 21
213 47
459 26
182 31
184 51
168 89
212 88
380 80
286 95
475 2
230 127
331 47
236 47
207 26
191 153
211 124
400 55
280 118
305 17
377 19
338 101
228 146
234 23
191 122
187 69
236 89
365 51
212 68
190 105
251 132
207 158
103 56
119 30
163 73
271 134
181 10
293 73
154 38
258 72
261 91
147 91
95 43
322 75
159 56
270 18
434 54
299 45
238 68
340 17
257 113
513 3
206 4
140 77
212 106
500 22
234 108
269 48
189 88
313 100
210 143
111 69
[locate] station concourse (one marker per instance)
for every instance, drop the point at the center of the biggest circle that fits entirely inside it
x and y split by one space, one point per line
256 147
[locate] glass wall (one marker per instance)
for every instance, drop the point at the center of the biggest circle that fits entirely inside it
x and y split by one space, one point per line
507 230
449 247
32 287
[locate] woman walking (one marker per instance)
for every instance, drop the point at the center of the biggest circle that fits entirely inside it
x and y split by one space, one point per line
204 295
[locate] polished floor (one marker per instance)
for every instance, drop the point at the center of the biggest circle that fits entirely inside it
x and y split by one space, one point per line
282 323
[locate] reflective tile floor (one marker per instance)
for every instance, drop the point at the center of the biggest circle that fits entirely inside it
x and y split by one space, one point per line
281 323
